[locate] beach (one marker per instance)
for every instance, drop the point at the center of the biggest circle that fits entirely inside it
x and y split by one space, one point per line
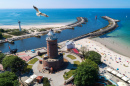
33 26
109 57
114 45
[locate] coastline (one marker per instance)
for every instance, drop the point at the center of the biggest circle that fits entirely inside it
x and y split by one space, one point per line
33 26
109 57
79 22
113 45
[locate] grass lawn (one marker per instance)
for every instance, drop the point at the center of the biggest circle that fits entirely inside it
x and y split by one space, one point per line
29 66
68 74
7 36
63 53
71 57
17 33
76 63
33 61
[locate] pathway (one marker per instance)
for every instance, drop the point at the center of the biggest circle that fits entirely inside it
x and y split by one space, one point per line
57 78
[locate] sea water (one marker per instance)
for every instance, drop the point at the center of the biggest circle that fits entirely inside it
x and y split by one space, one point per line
28 17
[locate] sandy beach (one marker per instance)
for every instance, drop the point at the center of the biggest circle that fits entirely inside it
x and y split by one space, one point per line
109 57
114 45
33 26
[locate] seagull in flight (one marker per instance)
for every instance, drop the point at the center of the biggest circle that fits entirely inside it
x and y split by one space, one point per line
39 13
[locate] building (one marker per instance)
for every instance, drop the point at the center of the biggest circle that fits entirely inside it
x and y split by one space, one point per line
52 59
70 45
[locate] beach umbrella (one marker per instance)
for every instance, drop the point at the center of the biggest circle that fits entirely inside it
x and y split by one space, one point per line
117 69
32 50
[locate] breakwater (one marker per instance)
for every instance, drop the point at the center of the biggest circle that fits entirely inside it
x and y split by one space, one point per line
112 25
80 20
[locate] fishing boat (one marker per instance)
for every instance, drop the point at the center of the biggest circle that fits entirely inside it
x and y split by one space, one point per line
37 36
95 17
11 41
13 51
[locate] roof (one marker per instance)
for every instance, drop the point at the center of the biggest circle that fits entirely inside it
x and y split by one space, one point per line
50 33
69 42
29 80
40 60
39 77
75 50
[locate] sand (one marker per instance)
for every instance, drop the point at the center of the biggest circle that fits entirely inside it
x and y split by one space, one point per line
108 56
115 46
33 26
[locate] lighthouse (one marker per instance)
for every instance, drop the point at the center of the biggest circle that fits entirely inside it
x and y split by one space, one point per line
52 49
19 26
52 59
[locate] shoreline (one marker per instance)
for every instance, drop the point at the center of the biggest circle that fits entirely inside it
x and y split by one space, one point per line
33 26
109 57
79 22
113 45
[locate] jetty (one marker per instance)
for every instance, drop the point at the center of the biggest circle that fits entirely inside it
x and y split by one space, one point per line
80 20
111 26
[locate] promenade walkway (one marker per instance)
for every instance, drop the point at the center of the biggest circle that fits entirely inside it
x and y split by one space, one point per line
56 78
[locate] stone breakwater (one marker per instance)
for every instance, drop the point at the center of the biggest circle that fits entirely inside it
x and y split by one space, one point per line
112 25
80 20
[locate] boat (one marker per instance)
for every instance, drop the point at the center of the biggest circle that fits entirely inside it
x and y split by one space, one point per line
13 51
11 41
37 36
95 17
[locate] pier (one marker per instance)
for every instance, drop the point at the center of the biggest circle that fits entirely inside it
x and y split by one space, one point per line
80 20
112 25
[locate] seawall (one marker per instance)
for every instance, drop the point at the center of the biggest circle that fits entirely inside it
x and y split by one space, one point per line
112 25
80 20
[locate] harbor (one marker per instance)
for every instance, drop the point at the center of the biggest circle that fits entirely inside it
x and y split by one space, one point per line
80 20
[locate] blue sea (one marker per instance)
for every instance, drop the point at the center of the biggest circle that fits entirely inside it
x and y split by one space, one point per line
28 17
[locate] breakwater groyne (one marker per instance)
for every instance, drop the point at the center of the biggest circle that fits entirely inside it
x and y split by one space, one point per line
111 26
80 20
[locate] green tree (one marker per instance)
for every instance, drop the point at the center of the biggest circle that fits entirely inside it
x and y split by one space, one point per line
86 74
1 30
8 79
1 57
94 56
1 36
15 64
46 82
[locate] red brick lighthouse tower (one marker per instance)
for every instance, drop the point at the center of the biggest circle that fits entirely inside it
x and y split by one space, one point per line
52 49
52 59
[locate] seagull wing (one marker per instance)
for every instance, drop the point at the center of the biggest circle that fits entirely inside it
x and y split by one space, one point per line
36 9
43 14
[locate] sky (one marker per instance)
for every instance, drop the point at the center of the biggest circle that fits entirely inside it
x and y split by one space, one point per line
20 4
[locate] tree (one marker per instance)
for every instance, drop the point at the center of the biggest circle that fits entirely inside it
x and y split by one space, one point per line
1 36
83 50
94 56
1 57
15 64
8 79
1 30
86 73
